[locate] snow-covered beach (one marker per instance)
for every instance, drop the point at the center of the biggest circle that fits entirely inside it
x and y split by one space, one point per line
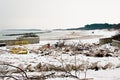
79 56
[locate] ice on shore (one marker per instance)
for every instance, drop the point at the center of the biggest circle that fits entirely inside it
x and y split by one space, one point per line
34 59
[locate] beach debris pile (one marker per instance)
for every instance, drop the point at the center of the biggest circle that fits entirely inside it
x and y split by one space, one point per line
62 57
93 50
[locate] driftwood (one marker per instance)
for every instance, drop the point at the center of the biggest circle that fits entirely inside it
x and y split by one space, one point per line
7 74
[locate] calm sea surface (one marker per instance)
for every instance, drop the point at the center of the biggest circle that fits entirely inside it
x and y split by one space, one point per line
49 35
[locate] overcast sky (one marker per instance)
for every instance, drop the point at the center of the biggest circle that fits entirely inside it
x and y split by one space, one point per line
49 14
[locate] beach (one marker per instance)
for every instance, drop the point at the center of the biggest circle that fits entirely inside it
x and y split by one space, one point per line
80 57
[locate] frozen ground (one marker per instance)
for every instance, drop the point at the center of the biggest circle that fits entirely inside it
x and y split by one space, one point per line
58 59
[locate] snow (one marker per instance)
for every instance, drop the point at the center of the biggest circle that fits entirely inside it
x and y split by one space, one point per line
34 59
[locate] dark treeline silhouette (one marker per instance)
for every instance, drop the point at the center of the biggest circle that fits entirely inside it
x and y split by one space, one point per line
95 26
117 26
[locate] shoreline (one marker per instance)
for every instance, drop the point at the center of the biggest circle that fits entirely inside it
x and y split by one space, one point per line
73 37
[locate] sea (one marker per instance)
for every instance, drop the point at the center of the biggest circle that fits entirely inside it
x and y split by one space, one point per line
43 34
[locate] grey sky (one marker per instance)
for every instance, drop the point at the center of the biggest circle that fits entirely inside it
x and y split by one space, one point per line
49 14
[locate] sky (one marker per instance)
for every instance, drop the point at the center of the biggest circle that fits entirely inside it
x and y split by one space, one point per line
57 14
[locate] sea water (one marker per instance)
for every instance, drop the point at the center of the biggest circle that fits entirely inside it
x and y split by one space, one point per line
42 34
